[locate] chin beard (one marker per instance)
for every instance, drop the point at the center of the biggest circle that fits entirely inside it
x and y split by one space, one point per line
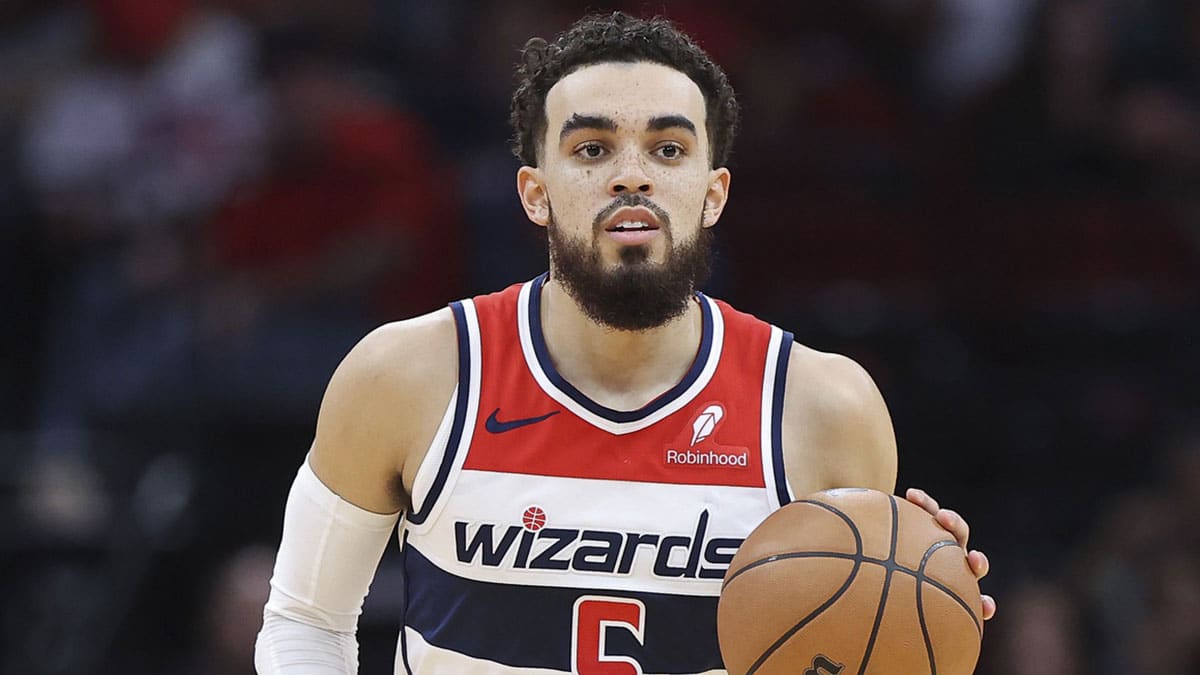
635 294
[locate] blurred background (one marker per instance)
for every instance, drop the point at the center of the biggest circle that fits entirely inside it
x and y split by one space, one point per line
994 205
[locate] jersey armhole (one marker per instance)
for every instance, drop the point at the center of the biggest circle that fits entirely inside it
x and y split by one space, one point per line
448 450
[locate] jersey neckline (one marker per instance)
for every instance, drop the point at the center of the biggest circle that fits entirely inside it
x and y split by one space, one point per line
537 358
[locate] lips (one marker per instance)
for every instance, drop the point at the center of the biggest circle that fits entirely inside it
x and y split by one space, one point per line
632 219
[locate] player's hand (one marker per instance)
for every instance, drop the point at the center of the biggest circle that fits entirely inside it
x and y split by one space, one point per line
955 524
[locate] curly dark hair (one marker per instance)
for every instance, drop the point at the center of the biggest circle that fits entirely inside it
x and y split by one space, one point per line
619 37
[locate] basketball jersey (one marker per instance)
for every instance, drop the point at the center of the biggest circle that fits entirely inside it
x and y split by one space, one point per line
551 534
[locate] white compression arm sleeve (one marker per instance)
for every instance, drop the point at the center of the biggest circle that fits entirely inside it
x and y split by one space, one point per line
327 558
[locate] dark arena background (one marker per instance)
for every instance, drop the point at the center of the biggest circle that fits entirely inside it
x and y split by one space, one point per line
993 206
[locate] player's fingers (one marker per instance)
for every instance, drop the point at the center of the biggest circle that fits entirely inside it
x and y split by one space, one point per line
989 607
922 499
949 519
979 564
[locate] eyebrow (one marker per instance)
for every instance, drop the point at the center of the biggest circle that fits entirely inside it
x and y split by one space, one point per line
662 122
604 123
577 121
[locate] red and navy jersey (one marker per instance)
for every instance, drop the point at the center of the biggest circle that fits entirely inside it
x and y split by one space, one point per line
552 534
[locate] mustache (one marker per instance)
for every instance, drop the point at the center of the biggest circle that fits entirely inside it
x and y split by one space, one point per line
630 199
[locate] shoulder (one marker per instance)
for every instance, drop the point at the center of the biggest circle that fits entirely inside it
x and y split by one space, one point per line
836 428
830 383
382 408
397 364
397 356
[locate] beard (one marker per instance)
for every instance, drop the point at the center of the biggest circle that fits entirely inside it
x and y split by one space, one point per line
636 294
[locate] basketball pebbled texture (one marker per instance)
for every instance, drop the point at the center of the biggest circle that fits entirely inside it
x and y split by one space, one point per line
850 581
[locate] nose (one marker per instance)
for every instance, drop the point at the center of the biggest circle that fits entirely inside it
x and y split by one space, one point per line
630 176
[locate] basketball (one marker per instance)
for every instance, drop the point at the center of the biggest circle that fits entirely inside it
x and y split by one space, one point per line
850 581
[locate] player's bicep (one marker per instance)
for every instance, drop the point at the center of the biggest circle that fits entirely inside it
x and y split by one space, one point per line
866 440
355 448
837 430
382 408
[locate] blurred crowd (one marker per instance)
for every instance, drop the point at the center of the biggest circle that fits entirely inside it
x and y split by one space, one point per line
994 206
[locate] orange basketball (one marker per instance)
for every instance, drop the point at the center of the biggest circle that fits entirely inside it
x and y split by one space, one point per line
850 582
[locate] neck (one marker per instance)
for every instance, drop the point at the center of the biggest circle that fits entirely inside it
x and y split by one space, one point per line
619 369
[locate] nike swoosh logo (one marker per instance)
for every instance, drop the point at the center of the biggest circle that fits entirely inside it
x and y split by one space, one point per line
496 426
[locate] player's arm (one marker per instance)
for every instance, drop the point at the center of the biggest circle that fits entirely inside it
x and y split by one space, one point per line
836 428
382 408
838 433
379 414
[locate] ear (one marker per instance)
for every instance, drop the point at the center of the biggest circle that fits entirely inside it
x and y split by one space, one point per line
534 197
717 195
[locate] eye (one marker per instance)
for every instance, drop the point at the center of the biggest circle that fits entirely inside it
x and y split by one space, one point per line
590 151
670 151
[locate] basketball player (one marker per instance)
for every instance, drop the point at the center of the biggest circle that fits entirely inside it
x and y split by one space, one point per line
573 461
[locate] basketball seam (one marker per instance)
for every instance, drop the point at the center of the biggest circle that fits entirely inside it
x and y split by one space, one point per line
828 603
858 558
782 556
838 555
887 582
920 575
921 602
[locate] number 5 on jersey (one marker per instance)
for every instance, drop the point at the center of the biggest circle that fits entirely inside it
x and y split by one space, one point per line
594 615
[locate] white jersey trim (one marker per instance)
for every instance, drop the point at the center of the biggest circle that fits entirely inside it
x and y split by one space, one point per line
772 456
425 485
618 428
